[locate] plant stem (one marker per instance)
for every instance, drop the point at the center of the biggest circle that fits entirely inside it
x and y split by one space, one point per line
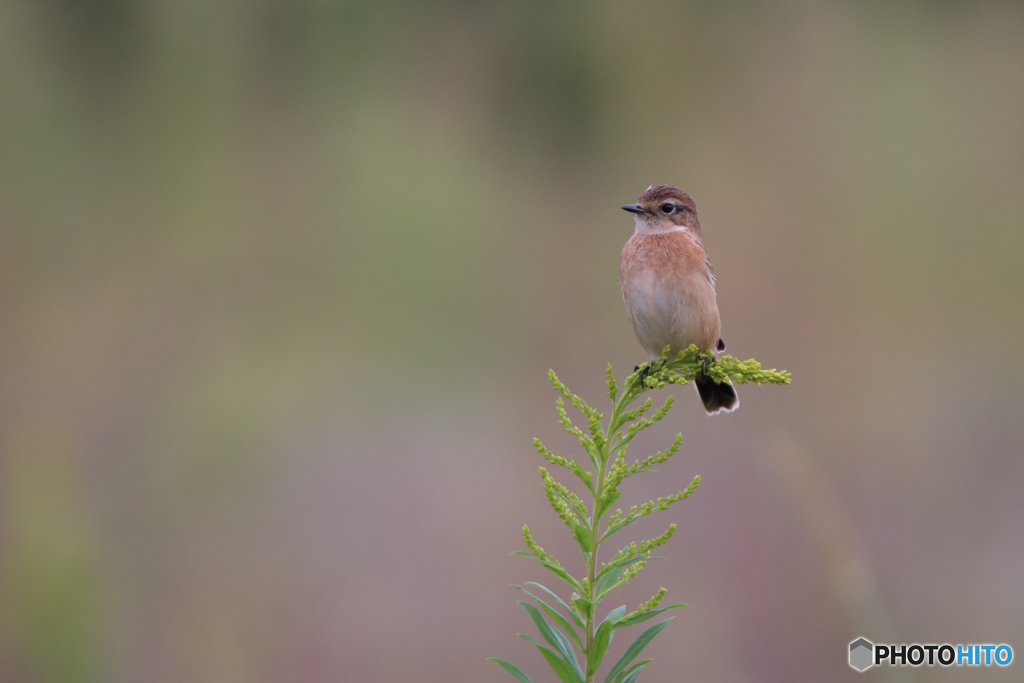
629 394
592 563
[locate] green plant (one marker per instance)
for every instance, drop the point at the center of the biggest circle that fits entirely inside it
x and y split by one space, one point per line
573 625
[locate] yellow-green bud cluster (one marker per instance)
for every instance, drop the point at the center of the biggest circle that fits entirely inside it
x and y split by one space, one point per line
549 456
560 461
644 422
563 419
663 503
593 416
676 378
617 472
621 445
650 604
648 546
745 372
686 366
613 386
560 497
631 571
536 549
616 517
593 449
692 487
638 411
657 458
663 410
615 476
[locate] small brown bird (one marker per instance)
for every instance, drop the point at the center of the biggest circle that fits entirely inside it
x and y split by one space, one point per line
669 287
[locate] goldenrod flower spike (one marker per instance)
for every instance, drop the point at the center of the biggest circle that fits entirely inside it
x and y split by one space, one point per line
605 444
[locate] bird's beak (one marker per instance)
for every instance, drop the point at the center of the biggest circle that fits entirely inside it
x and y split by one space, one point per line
633 208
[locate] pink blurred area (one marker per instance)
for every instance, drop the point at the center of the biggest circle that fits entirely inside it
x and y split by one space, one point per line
280 284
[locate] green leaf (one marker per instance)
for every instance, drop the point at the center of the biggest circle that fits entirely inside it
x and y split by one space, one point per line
642 469
615 614
630 670
634 673
551 594
608 580
644 616
557 664
557 571
607 503
561 669
621 563
584 537
621 443
555 638
576 507
512 669
559 619
635 648
586 480
584 606
597 649
618 527
585 476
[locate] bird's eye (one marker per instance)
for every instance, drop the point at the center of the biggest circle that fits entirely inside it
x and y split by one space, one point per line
668 208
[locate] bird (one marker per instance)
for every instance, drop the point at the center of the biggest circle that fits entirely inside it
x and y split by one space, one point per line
668 286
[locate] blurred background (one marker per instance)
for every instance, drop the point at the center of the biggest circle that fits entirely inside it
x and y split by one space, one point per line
280 283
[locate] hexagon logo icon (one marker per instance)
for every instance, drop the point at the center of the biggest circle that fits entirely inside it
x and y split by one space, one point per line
861 654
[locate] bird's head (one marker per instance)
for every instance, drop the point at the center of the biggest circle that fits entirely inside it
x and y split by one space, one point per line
663 208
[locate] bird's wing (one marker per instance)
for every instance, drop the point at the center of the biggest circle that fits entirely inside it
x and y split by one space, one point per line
711 271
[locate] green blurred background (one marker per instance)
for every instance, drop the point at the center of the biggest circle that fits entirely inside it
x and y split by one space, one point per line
280 283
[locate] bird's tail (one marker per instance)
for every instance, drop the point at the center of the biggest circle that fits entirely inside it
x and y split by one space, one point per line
717 398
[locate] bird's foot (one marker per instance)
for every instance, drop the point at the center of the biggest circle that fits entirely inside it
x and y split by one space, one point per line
645 370
705 358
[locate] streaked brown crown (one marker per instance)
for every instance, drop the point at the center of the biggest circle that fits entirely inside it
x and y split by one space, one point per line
657 196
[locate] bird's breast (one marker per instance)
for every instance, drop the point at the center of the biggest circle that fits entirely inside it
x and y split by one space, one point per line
667 290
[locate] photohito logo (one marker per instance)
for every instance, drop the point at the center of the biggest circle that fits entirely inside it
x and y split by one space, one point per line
864 654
